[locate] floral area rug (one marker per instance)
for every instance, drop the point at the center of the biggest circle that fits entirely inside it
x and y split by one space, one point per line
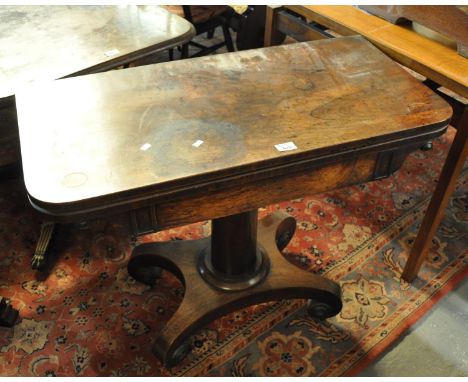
87 317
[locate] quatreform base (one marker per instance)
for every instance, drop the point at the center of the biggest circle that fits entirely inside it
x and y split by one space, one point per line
229 271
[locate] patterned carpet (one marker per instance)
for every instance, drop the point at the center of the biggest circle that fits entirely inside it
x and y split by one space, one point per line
87 317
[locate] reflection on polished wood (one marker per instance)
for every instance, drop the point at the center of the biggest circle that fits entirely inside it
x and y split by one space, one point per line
171 148
430 58
50 42
450 21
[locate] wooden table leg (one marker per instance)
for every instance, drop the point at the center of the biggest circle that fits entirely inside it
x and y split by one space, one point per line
448 177
272 35
229 272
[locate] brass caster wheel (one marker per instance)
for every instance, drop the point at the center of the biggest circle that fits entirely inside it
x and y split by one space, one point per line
178 355
320 310
38 262
172 358
427 146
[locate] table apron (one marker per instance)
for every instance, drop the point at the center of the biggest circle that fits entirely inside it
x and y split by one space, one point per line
248 193
216 203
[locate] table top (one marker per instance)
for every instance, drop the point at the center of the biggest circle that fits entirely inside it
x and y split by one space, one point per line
51 42
137 133
432 59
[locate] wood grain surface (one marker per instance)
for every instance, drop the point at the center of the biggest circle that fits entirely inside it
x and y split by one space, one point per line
49 42
129 136
432 59
449 20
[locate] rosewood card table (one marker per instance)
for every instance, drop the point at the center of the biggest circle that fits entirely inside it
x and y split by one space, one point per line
216 138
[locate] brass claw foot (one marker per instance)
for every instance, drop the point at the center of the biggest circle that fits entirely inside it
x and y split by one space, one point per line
38 260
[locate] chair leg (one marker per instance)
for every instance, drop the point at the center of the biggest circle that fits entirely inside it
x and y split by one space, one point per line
210 33
171 54
228 38
185 48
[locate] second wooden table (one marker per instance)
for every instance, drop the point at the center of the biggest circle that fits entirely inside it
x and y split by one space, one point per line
40 43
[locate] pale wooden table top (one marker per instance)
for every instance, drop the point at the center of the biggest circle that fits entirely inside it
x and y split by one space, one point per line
432 59
108 136
51 42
